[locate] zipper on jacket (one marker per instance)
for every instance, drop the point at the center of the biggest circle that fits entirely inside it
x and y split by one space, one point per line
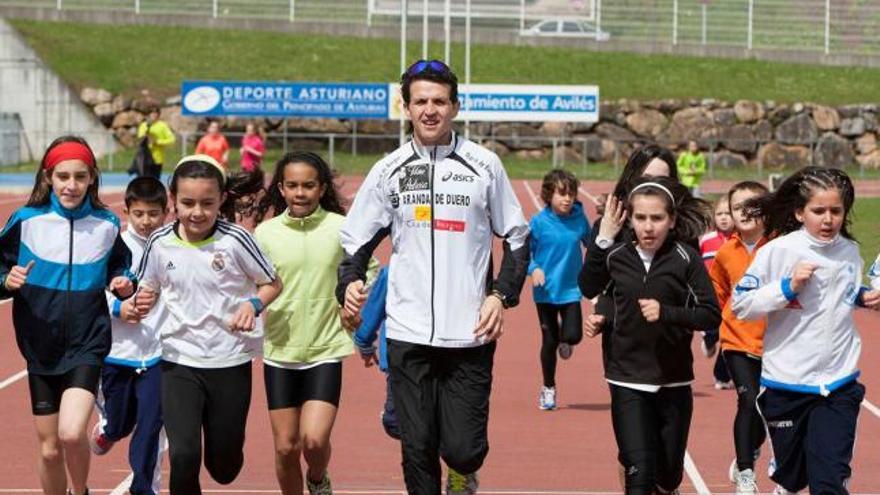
69 284
433 157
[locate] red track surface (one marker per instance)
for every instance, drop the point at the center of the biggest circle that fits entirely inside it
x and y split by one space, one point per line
570 450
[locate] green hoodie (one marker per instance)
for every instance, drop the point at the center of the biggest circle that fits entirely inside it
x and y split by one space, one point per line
302 325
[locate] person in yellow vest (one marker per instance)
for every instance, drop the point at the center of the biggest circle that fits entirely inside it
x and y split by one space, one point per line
159 137
691 166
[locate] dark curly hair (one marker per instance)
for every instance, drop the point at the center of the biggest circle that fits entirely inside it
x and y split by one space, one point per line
330 200
778 209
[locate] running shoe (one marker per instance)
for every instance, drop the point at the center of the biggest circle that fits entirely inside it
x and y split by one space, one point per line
782 491
745 482
733 471
724 385
565 350
547 399
98 442
461 484
322 487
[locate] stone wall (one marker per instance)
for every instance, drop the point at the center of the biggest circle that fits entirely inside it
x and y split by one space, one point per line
740 134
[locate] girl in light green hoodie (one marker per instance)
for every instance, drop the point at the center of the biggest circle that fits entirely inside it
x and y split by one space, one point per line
304 340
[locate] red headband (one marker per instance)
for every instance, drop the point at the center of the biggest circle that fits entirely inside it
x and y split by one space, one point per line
70 150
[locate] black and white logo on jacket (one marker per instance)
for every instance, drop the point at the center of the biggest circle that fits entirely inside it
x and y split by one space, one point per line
415 178
456 177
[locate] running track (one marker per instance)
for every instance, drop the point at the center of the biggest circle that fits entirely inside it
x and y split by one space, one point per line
569 451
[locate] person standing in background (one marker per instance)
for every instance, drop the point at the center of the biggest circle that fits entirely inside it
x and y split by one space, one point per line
252 148
159 137
214 144
691 166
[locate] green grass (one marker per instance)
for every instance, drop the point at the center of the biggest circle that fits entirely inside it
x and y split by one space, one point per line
866 227
128 58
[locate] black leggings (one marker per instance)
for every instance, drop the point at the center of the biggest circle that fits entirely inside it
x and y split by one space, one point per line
651 430
209 401
748 427
570 331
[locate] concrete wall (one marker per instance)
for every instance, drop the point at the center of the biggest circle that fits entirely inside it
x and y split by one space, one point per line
46 106
386 27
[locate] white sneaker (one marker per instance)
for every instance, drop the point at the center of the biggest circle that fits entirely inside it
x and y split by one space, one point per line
565 350
733 471
745 482
724 385
782 491
461 484
547 399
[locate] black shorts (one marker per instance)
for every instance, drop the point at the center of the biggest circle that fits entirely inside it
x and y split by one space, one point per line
46 390
291 388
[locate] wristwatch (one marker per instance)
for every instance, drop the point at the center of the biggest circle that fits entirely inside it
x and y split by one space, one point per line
604 243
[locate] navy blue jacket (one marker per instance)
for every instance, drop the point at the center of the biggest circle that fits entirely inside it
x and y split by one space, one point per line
60 315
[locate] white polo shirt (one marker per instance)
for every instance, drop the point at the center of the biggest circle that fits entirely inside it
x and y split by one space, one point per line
202 285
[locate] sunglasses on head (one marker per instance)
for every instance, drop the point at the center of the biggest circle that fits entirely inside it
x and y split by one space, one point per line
424 65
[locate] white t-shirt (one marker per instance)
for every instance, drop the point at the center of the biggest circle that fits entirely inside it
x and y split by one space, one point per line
202 285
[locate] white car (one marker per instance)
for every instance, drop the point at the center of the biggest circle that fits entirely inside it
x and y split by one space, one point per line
566 28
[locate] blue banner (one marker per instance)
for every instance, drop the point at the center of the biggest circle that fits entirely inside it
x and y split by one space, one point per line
275 99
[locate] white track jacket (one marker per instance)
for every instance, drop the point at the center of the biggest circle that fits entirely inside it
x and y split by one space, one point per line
811 344
441 206
136 345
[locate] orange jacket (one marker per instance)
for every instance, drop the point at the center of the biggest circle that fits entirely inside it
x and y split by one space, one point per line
731 262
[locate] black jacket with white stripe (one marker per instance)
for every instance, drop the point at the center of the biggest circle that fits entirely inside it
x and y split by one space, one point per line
634 350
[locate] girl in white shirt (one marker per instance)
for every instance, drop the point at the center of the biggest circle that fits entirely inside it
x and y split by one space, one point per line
214 281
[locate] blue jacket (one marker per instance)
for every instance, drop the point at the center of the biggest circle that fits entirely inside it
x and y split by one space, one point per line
555 246
60 315
373 320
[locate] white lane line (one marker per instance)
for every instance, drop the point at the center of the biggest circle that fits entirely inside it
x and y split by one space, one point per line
12 379
871 407
694 475
589 196
534 198
122 488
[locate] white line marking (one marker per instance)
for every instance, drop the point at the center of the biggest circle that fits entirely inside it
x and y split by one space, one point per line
12 379
528 189
122 488
871 407
589 196
694 475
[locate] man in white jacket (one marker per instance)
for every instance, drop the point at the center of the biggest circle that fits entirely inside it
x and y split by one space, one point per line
441 198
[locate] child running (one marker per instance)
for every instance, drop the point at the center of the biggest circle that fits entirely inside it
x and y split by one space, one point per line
305 342
661 292
214 281
806 282
58 253
558 231
741 341
130 379
709 245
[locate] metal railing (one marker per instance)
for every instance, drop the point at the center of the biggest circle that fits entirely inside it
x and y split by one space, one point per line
573 151
823 26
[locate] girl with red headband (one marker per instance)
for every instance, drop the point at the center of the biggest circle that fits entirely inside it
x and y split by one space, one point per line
58 254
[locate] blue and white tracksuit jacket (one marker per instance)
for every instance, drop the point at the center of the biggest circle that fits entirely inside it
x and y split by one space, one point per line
135 345
811 344
60 315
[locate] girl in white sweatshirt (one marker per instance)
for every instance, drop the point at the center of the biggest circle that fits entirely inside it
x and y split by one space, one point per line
806 282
